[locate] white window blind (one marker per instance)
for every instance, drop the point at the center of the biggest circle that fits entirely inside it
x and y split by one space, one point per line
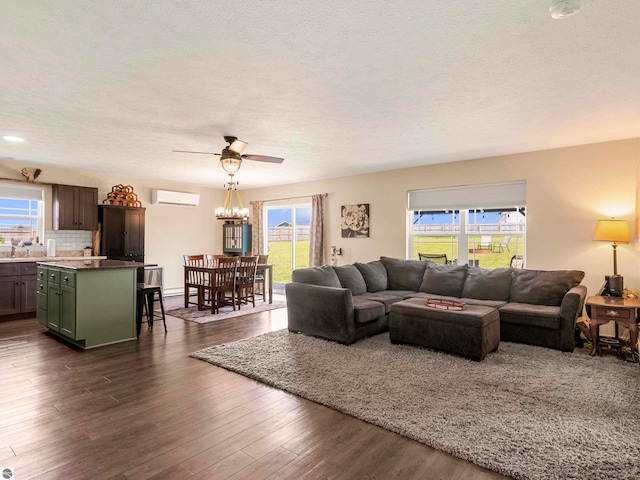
490 195
22 193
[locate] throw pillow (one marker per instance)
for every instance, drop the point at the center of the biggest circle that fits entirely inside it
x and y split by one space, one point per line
445 280
540 287
351 278
404 274
374 274
324 276
487 283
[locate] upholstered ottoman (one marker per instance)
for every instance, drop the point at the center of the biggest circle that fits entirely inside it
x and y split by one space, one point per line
472 332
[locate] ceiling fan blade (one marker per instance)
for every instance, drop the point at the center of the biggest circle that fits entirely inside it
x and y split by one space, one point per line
263 158
189 151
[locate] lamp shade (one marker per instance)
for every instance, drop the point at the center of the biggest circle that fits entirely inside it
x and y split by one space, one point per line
615 231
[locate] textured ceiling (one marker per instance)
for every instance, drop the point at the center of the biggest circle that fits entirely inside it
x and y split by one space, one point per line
336 87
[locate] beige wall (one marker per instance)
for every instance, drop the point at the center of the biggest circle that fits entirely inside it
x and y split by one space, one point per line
568 190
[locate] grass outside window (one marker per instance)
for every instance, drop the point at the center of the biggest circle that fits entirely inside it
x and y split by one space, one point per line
494 258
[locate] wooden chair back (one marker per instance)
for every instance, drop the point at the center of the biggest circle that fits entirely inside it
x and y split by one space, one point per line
212 260
197 280
260 280
224 281
245 280
194 260
247 270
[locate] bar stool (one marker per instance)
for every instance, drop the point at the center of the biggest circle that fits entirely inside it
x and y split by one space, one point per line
146 297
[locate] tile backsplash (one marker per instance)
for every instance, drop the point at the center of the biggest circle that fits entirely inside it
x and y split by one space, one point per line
70 239
68 242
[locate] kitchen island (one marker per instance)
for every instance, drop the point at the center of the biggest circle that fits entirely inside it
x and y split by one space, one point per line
18 281
89 303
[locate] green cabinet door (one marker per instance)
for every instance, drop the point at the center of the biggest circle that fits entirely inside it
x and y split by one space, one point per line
53 306
41 300
61 302
68 311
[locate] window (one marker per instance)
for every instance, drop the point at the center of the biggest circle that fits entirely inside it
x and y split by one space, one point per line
287 239
21 215
475 229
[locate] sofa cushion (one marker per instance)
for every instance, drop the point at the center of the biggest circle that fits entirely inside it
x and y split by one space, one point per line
542 316
540 287
404 274
386 297
445 280
487 283
483 303
365 311
374 274
431 295
351 278
324 276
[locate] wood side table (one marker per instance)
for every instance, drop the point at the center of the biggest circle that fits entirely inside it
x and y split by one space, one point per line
623 311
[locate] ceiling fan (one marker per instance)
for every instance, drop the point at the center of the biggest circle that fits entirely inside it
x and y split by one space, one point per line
231 156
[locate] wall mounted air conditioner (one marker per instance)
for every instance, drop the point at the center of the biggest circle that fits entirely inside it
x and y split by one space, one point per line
166 197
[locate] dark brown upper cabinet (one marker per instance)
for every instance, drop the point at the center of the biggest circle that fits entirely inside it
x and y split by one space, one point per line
122 236
75 208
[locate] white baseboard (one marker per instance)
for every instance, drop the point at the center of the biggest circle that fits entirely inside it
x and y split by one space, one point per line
172 292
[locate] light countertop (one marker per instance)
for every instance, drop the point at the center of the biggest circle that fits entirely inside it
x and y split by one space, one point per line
46 259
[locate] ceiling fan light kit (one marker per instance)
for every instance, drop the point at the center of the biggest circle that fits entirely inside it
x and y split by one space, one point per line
564 8
230 161
230 164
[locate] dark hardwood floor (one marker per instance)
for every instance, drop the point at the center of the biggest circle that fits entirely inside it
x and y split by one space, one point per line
144 409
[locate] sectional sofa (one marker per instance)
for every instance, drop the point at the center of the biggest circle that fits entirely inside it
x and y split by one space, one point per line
346 303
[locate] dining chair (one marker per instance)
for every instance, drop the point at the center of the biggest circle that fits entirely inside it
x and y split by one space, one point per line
212 260
223 285
200 281
260 277
245 280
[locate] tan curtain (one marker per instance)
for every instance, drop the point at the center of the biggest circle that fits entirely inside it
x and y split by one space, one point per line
257 227
316 234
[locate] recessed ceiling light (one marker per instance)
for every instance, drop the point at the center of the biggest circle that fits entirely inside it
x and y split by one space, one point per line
13 138
564 8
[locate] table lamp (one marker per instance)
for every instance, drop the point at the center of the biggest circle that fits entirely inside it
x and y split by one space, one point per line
614 231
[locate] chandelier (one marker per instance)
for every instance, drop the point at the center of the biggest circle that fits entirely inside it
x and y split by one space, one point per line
228 212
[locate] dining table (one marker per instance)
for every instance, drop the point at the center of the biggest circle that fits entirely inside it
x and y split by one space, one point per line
207 271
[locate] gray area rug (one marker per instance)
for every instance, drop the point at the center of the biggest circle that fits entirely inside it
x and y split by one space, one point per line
204 316
527 412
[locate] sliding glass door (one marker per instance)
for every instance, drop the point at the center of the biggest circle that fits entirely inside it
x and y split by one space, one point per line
287 239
